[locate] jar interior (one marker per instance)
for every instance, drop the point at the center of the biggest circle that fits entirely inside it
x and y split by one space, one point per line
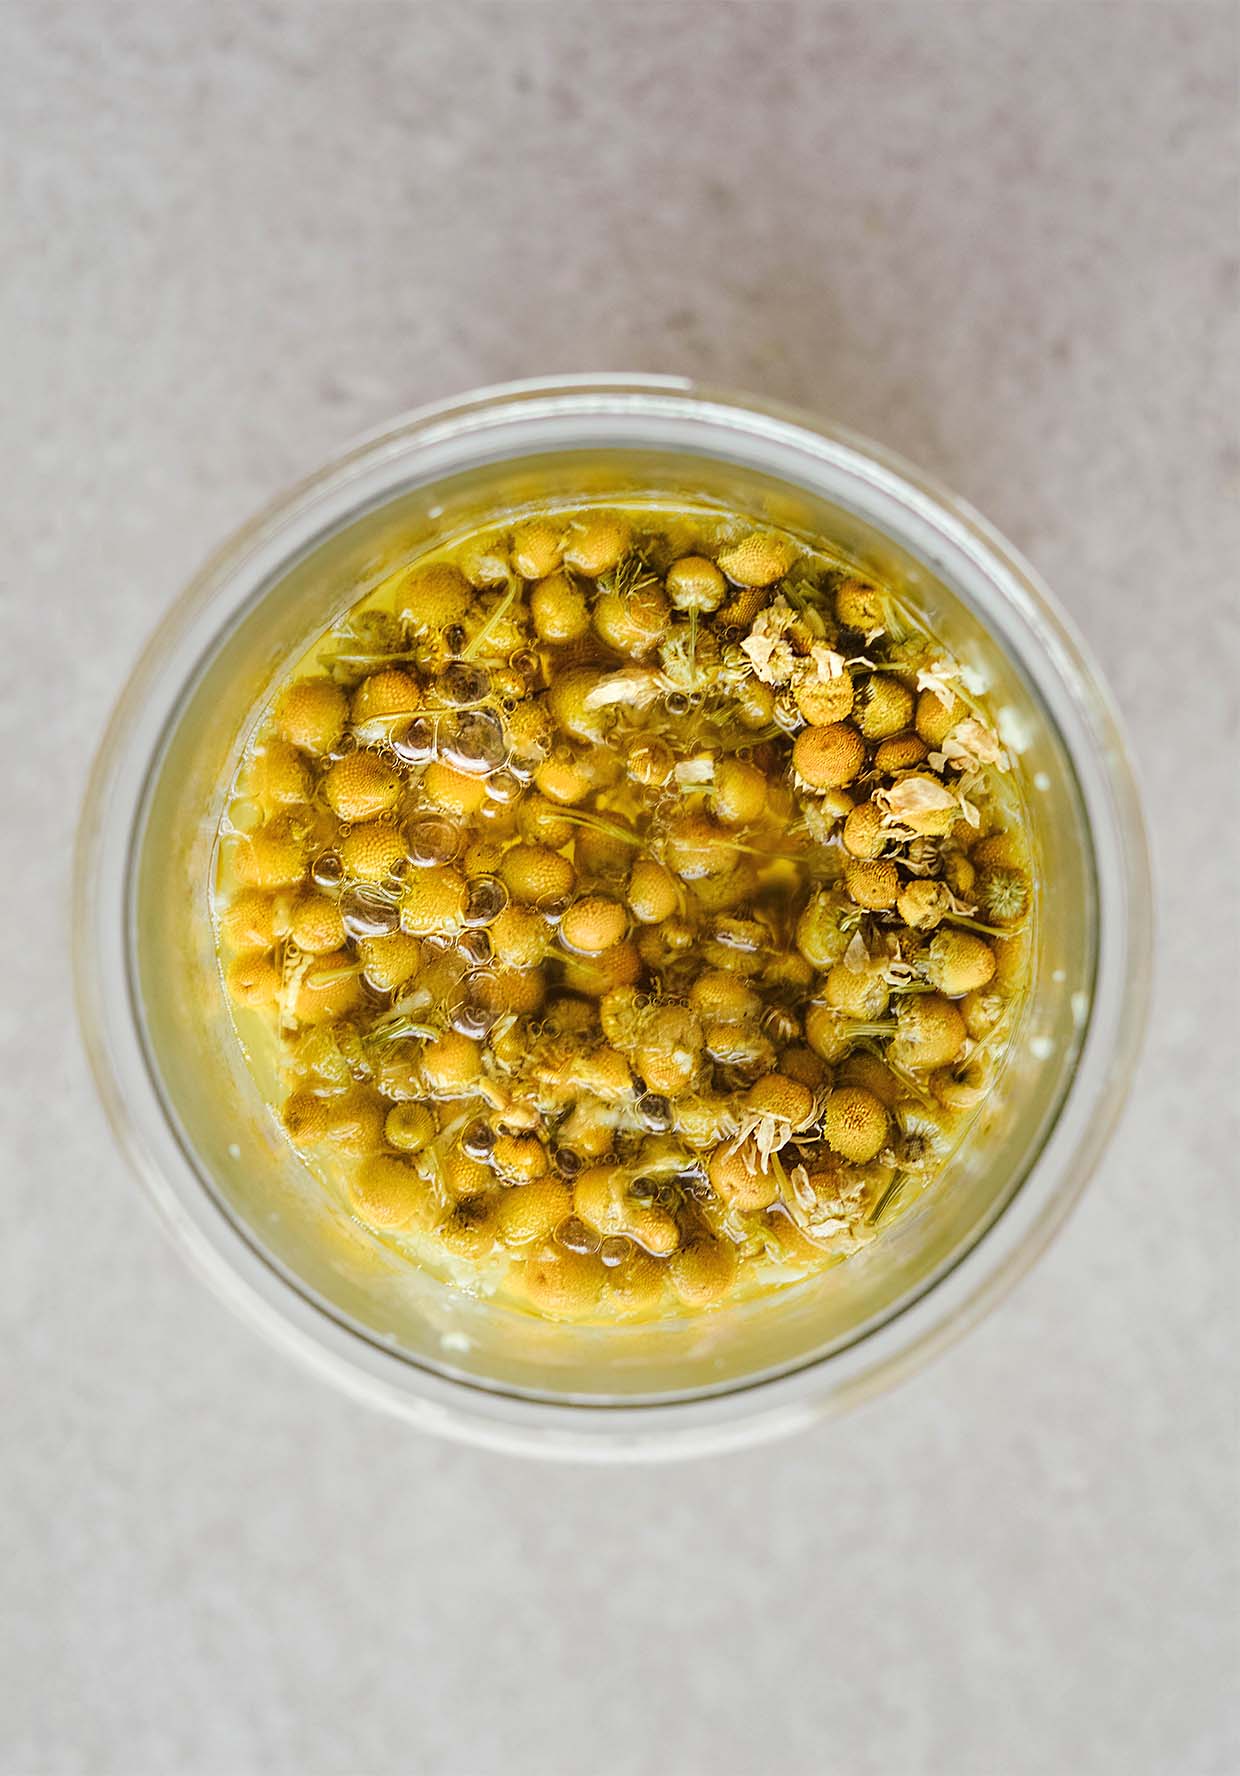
214 1102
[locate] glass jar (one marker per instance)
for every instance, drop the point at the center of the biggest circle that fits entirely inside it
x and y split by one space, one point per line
190 1112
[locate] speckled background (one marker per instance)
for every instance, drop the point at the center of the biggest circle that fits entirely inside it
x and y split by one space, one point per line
1000 238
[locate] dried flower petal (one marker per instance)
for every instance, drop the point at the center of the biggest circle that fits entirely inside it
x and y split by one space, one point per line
639 686
856 956
935 677
914 796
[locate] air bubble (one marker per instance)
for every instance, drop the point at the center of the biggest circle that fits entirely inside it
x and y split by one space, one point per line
650 762
475 946
503 788
327 871
368 912
655 1112
677 703
523 765
414 741
485 900
479 1007
478 1139
568 1163
433 842
475 743
575 1236
614 1250
462 683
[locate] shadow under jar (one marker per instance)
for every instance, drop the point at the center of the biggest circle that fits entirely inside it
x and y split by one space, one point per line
195 1114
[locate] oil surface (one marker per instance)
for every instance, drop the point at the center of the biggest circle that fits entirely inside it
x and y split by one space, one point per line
635 905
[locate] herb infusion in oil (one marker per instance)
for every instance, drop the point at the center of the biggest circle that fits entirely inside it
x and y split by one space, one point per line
637 904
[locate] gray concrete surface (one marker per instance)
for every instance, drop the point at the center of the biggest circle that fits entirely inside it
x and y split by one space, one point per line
1001 238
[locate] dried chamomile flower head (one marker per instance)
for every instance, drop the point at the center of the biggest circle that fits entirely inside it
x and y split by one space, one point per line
861 993
282 774
530 728
901 753
866 834
519 1158
564 782
695 584
930 1032
311 714
537 875
822 931
272 857
386 1192
633 622
436 595
757 560
389 692
959 962
596 543
533 1212
937 716
519 937
1011 962
824 700
433 903
559 610
738 1178
885 706
593 924
306 1117
855 1123
923 904
253 981
362 786
391 960
456 793
579 699
470 1229
652 894
1002 894
328 989
372 852
636 1288
982 1010
921 803
563 1284
860 605
828 757
874 885
247 921
536 548
755 705
738 792
704 1271
451 1065
784 1099
316 925
409 1127
355 1121
865 1069
484 561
